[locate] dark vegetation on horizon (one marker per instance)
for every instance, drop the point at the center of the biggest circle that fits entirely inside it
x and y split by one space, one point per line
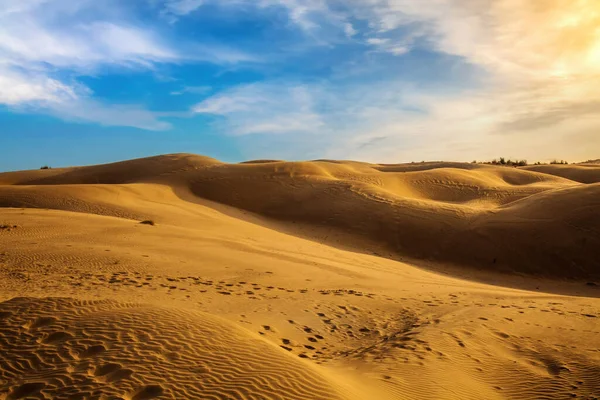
517 163
500 161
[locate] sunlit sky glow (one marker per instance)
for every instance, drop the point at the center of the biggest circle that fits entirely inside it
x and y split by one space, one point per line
93 81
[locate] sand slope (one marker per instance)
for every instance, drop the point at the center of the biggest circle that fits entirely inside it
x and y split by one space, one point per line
433 214
64 349
369 324
252 301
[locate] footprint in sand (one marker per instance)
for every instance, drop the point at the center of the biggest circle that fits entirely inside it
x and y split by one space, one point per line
93 351
57 337
106 369
26 390
41 322
146 393
5 314
111 372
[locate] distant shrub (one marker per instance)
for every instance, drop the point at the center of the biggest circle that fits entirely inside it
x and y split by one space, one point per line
46 167
561 162
148 222
509 162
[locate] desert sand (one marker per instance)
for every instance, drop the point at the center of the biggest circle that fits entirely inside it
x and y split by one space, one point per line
300 280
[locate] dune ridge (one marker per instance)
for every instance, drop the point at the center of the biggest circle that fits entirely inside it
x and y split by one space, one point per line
583 173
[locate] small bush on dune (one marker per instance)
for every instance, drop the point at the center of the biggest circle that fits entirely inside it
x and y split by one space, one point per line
46 167
148 222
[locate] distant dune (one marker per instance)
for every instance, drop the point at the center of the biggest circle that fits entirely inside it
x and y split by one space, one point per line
583 173
540 220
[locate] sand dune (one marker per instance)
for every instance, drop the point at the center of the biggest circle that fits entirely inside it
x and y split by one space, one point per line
430 212
282 280
131 171
584 173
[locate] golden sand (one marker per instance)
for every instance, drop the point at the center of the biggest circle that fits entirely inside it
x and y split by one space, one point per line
304 280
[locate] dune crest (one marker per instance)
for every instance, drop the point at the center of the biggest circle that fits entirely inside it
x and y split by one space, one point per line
583 173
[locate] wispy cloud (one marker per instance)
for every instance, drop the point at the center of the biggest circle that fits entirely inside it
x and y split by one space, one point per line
192 90
17 88
36 92
308 15
389 46
38 39
542 69
41 33
264 108
42 41
355 72
181 7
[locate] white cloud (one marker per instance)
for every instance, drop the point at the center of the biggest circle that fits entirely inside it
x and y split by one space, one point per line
542 61
399 122
17 88
264 108
386 45
76 35
90 110
303 13
40 38
24 41
300 11
498 34
44 41
35 92
192 89
540 82
541 85
349 29
182 7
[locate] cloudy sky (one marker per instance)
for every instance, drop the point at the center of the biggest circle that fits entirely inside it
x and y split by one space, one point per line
91 81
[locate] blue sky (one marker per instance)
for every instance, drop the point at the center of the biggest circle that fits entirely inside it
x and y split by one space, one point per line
376 80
